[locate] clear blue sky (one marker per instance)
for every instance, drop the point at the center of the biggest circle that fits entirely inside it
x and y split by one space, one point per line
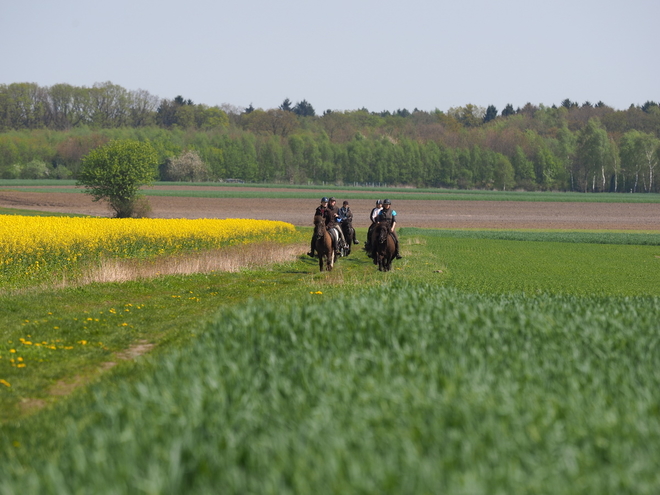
342 54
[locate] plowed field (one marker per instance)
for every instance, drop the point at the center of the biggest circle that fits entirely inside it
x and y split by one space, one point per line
411 212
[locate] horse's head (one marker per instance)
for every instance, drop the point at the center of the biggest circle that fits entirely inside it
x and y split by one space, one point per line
319 226
382 231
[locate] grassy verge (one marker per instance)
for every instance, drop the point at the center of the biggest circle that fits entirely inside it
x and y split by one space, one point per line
65 335
477 365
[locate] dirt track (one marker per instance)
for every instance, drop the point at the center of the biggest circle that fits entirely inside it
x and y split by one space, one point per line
411 213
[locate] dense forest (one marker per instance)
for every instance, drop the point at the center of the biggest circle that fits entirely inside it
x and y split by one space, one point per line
45 132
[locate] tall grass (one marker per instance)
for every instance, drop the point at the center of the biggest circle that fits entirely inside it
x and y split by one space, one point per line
403 389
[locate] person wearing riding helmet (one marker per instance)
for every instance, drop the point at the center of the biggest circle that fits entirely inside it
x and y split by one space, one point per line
321 210
331 223
374 213
388 216
376 210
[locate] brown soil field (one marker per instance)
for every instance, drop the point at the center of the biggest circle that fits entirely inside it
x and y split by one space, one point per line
411 212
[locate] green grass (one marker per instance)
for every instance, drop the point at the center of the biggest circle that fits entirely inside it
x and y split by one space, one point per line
478 365
313 192
33 213
401 389
581 236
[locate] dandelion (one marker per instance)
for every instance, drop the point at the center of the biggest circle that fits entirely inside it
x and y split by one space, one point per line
5 383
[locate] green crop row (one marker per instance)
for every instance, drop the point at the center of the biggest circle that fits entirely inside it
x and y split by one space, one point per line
401 389
602 237
530 267
347 192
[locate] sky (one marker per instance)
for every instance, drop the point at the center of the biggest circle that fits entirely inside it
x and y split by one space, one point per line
342 54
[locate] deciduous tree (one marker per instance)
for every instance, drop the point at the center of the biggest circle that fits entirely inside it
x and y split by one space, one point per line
115 173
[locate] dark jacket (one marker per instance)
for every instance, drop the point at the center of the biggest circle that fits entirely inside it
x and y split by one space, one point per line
331 218
387 216
346 214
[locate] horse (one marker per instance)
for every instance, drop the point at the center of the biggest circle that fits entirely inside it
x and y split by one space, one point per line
349 234
323 244
385 247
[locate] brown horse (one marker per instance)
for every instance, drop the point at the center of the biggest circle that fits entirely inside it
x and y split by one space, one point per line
323 244
385 247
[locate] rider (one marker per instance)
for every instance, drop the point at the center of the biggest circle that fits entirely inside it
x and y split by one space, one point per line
346 215
331 223
388 216
374 213
321 210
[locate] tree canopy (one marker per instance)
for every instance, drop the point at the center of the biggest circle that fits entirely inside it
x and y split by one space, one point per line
116 171
46 132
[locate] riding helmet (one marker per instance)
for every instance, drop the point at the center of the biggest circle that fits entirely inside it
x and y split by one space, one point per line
379 202
332 199
387 202
324 200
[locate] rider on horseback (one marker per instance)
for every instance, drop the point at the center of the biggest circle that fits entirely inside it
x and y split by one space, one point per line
321 210
331 223
346 215
373 215
387 216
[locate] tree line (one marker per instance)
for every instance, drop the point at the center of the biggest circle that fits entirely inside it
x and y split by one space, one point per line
46 132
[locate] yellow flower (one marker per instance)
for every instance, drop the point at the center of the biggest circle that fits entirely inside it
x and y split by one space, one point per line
5 383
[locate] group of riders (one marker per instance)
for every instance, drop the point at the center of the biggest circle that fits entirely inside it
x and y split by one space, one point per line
338 222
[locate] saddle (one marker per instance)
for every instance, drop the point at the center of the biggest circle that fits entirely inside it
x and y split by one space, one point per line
336 238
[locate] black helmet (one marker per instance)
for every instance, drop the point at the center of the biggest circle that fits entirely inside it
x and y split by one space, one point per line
324 200
379 202
332 199
387 202
345 202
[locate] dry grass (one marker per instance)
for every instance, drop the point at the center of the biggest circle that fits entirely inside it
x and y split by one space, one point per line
230 259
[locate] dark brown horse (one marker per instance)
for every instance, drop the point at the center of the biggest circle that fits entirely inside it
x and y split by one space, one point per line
349 234
385 247
323 244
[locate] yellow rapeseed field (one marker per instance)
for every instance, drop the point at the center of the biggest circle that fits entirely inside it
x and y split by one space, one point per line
31 247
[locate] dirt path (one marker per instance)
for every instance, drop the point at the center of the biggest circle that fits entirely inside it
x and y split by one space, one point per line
412 213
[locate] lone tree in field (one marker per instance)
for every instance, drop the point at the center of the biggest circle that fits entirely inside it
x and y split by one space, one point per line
115 172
